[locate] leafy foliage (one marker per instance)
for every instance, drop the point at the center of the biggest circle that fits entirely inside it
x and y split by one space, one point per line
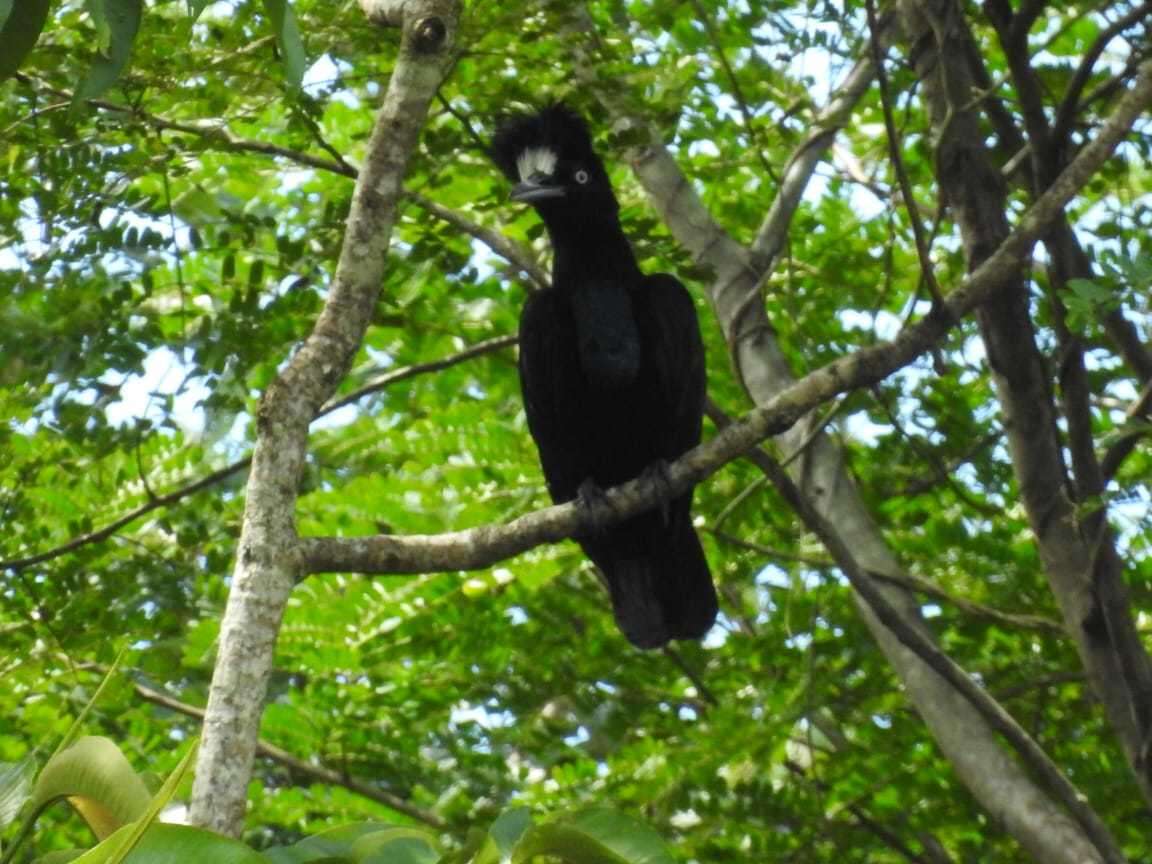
166 246
97 780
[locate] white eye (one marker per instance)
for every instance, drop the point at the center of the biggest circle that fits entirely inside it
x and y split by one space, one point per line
581 176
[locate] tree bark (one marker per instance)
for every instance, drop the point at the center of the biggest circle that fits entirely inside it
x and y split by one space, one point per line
268 560
1028 812
1077 551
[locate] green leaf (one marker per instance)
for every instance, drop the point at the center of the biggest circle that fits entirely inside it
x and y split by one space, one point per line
600 836
19 32
60 856
1089 290
117 22
509 829
15 786
159 801
334 845
97 780
396 846
195 7
288 40
173 844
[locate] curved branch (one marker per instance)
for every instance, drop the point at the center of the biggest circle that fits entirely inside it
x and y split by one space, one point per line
483 546
218 134
802 163
1066 113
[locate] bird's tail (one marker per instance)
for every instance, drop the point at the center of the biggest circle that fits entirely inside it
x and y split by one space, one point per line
658 578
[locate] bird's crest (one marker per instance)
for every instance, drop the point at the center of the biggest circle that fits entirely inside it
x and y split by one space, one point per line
528 143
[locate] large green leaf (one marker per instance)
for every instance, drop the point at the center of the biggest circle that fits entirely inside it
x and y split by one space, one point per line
600 836
508 830
334 844
117 22
288 40
397 850
130 838
98 781
173 844
20 27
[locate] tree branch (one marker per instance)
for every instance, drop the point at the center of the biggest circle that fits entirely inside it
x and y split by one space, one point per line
157 502
1079 558
945 667
1070 104
218 134
319 773
927 271
483 546
267 561
1118 452
501 244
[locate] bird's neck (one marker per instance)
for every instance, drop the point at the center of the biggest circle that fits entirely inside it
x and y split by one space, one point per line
591 251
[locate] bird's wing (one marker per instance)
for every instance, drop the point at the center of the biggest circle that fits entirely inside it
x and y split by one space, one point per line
551 386
674 352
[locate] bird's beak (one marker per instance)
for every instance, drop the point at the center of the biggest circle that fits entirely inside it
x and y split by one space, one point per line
538 187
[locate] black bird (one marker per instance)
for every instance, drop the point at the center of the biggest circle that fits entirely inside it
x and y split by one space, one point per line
612 374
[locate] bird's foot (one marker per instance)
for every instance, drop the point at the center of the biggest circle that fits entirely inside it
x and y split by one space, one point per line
657 476
594 504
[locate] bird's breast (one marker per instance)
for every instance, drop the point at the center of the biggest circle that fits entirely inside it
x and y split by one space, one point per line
607 339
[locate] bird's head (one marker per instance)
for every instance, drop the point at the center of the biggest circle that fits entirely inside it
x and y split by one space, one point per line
548 157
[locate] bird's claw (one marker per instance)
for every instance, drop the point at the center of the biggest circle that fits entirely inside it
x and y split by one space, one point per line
597 509
657 476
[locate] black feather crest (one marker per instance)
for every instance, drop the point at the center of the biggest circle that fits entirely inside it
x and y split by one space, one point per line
557 127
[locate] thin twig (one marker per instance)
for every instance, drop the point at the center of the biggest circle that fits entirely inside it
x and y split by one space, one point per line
320 773
1115 455
677 658
157 502
922 251
737 91
1066 112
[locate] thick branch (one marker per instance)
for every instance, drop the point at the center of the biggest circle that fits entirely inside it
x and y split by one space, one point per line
913 638
267 559
1080 561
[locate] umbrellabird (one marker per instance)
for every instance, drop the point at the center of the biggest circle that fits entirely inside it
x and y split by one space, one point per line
612 375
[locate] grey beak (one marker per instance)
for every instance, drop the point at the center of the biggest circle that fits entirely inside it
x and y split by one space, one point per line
538 187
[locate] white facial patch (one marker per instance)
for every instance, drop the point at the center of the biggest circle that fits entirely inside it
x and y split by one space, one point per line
536 160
